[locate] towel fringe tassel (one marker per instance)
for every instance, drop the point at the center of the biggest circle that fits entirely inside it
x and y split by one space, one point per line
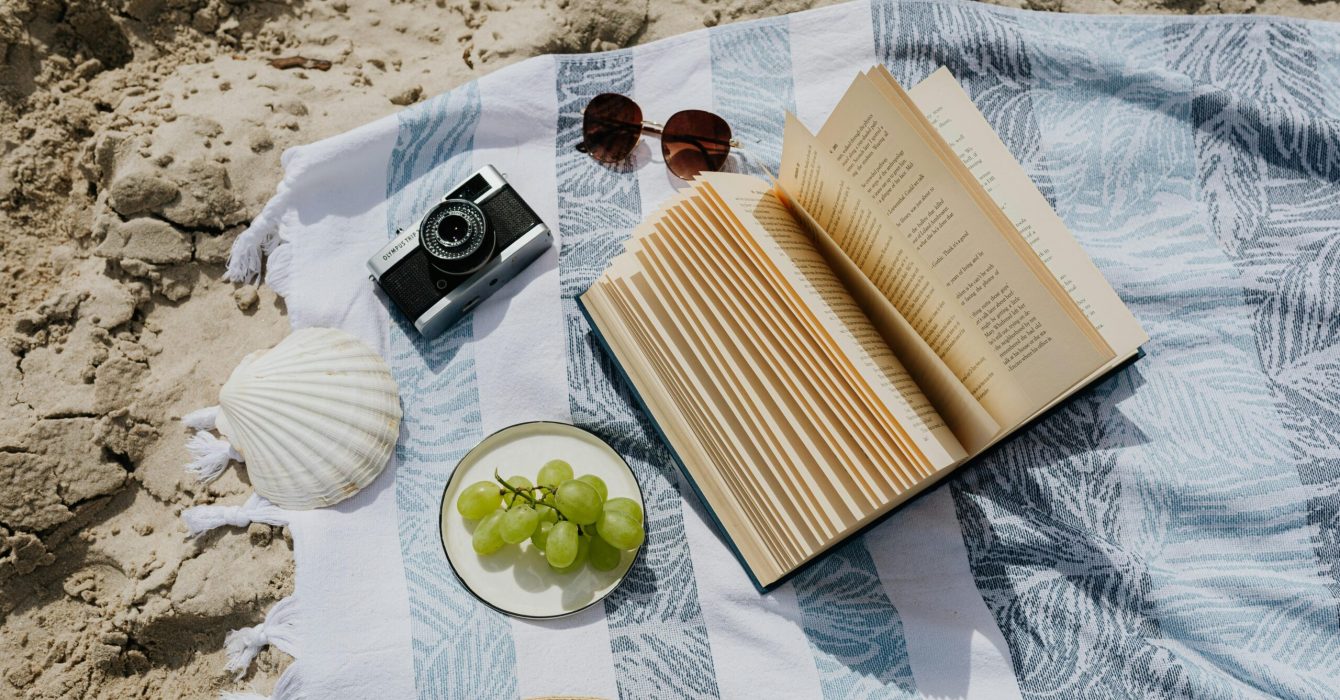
202 519
244 261
210 454
243 645
201 419
288 688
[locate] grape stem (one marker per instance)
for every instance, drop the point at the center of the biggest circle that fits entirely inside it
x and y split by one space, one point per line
522 493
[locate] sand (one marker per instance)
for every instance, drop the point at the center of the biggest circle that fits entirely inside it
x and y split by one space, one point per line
137 138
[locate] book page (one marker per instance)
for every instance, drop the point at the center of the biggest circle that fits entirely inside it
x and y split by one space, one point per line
883 82
964 415
809 397
1044 343
713 332
732 514
889 260
788 528
967 132
842 405
782 239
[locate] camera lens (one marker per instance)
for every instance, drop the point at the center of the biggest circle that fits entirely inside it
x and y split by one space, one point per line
453 230
457 237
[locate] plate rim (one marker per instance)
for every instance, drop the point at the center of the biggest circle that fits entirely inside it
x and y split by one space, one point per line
442 506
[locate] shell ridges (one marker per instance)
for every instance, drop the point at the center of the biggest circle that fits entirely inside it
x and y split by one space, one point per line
315 417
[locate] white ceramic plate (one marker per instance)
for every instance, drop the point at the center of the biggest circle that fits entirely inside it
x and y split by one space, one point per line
517 580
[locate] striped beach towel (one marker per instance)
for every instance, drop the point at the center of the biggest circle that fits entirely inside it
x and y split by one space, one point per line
1175 530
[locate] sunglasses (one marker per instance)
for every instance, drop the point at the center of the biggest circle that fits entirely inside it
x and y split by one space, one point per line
691 141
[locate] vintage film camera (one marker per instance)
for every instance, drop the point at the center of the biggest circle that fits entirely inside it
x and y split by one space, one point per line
468 245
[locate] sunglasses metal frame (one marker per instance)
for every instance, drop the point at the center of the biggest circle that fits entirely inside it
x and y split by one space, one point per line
648 126
658 128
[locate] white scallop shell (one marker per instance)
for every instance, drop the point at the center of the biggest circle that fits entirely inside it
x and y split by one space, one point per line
315 417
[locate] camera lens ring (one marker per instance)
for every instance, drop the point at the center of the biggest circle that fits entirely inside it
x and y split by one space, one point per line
457 237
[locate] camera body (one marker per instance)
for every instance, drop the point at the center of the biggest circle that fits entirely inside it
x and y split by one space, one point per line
479 236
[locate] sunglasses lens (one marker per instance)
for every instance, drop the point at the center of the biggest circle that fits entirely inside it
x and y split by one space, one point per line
611 126
694 141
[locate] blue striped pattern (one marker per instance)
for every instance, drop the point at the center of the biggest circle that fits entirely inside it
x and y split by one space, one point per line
1173 531
461 647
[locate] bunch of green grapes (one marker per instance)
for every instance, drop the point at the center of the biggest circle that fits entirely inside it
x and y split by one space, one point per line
571 520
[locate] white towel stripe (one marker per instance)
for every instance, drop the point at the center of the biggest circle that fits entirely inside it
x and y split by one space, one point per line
955 648
347 558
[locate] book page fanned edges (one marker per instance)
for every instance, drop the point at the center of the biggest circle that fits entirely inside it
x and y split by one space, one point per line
818 350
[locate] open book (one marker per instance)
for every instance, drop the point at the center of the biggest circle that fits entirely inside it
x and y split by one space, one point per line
817 350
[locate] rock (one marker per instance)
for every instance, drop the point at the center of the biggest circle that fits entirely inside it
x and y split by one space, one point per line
215 249
143 10
58 375
139 193
408 96
206 198
108 303
246 298
150 240
25 553
38 489
259 140
116 382
293 106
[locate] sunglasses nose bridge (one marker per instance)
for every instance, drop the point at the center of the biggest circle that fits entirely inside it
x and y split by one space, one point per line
651 127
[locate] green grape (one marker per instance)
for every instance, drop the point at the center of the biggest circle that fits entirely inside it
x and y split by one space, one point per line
620 530
478 500
627 506
547 513
486 538
583 547
518 523
541 535
597 483
603 555
519 483
578 501
560 549
553 473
